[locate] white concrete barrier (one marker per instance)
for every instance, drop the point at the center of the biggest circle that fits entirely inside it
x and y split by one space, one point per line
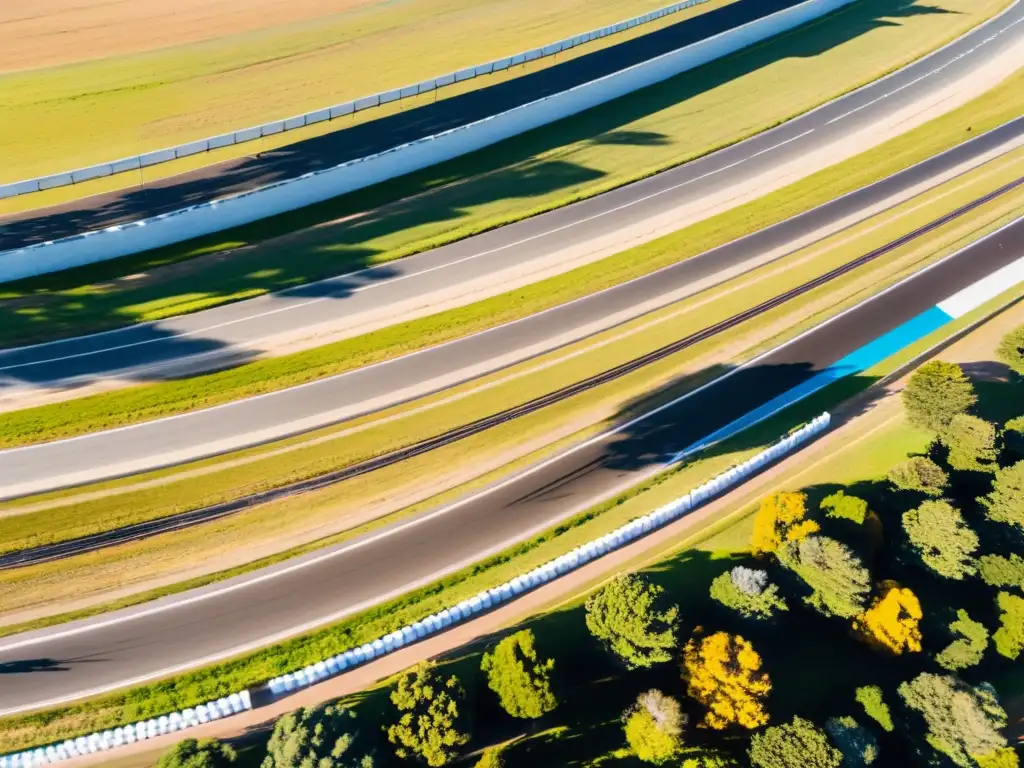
226 213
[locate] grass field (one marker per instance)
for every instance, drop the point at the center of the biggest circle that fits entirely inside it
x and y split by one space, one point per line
657 128
139 703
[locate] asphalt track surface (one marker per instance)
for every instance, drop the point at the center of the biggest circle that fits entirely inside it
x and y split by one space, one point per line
247 612
364 139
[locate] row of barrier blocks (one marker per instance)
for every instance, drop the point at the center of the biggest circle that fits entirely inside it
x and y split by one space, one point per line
327 113
490 598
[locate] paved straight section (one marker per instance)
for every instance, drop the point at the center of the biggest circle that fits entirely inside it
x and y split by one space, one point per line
175 633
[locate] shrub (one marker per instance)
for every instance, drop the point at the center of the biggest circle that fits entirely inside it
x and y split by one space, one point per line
321 736
629 616
968 647
780 518
430 725
723 673
919 473
796 744
521 680
702 757
491 758
198 754
893 620
839 506
870 697
1000 571
654 727
1011 350
839 581
935 393
1005 504
1009 638
857 744
747 591
972 443
941 538
962 720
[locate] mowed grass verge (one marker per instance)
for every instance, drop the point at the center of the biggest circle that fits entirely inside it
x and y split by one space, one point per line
64 515
146 402
22 731
636 136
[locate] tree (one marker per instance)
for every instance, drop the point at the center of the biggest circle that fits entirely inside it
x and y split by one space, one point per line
723 673
629 615
430 726
1005 504
491 758
857 744
198 754
654 727
796 744
892 622
781 517
940 537
999 571
968 647
1011 350
870 697
326 736
839 506
747 591
521 680
919 473
1009 638
1013 436
1006 757
935 393
972 443
839 581
962 720
702 757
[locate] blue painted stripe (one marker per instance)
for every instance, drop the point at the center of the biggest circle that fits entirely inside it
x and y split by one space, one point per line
856 362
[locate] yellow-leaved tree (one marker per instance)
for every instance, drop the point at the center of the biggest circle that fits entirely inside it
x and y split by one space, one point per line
781 518
723 672
892 622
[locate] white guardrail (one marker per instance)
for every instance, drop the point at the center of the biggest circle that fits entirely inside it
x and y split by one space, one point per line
315 187
124 165
437 622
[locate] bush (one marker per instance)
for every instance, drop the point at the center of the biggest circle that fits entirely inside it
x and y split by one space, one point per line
654 727
893 620
491 758
999 571
431 724
1011 350
870 697
935 393
198 754
839 506
723 672
317 736
630 617
972 443
857 744
747 591
839 581
941 538
521 680
796 744
1005 504
780 518
969 646
1009 638
919 473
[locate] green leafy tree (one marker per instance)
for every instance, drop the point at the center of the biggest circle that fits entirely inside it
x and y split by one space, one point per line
1001 758
748 592
1011 350
521 680
1009 638
796 744
919 473
326 736
1000 571
968 647
198 754
654 727
962 721
857 744
631 617
972 443
840 583
1005 504
871 698
839 506
935 393
941 538
431 724
1013 436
